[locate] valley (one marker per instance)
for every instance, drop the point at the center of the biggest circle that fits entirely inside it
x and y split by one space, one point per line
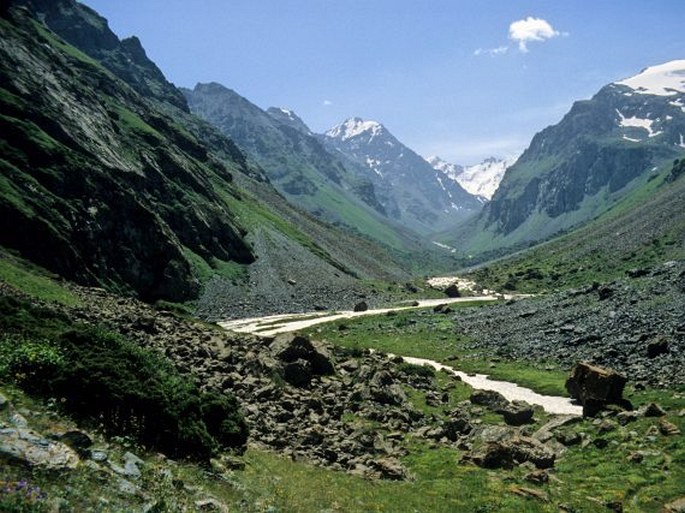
206 305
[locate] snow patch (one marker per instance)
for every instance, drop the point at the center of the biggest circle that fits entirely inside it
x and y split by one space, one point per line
445 246
663 80
682 142
635 122
374 164
678 103
631 139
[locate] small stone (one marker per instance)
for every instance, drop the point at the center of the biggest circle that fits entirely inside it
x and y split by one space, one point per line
211 504
537 476
77 440
18 421
657 347
636 457
600 443
4 402
530 492
128 488
606 426
98 455
653 410
676 506
667 428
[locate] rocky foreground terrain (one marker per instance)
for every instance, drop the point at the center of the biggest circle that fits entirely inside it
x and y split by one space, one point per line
635 325
353 410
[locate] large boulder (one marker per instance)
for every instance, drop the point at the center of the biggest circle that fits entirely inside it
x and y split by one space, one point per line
25 447
490 399
453 291
362 306
517 413
515 451
595 387
301 357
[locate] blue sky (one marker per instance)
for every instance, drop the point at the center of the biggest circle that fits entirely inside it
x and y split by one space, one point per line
456 78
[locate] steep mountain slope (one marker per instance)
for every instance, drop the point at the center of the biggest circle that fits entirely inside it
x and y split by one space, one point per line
410 190
601 150
106 186
642 231
96 185
481 180
297 164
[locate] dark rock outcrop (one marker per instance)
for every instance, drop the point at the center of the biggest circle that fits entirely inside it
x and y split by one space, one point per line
595 387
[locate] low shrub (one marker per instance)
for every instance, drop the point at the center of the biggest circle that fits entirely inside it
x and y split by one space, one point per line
99 375
423 371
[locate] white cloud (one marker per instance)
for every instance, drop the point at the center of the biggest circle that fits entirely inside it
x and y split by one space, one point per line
327 103
531 29
500 50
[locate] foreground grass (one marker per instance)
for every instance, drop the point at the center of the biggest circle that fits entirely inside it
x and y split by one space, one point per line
426 334
585 479
33 281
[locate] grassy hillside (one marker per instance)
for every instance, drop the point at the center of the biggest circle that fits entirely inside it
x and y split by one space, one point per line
645 228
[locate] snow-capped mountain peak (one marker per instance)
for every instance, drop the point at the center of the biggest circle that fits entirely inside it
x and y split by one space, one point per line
662 80
354 127
451 170
480 180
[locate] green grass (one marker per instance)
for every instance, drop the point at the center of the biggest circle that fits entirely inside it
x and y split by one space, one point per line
423 334
579 258
56 42
34 281
204 270
134 122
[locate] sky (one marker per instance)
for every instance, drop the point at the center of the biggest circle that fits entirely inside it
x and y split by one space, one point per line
461 79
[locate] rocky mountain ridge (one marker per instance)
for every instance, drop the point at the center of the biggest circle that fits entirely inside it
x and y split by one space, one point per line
298 164
109 180
602 149
409 189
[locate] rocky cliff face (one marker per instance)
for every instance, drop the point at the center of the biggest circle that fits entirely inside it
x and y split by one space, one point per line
599 151
97 184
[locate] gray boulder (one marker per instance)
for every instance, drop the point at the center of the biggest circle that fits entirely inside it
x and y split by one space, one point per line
517 413
362 306
490 399
515 451
28 448
288 348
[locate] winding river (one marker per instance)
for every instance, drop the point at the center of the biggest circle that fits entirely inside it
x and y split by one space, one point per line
276 324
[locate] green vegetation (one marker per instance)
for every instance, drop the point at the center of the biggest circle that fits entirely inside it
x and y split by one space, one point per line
56 42
100 376
34 281
204 271
642 230
134 122
425 334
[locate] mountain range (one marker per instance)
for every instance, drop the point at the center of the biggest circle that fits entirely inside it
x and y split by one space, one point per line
138 185
357 173
108 179
600 151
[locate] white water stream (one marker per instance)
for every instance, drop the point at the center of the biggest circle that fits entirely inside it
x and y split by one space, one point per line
275 324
